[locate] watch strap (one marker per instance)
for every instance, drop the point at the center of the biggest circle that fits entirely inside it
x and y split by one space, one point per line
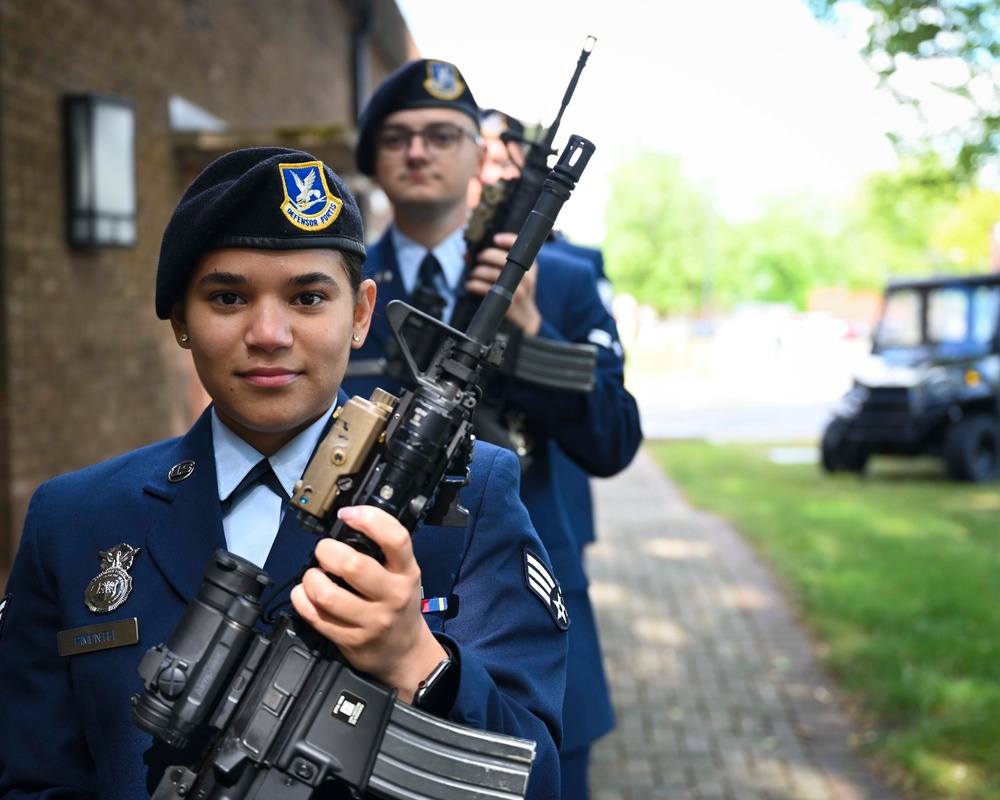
436 693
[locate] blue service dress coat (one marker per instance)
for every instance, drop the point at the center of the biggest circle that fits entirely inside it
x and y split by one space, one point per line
573 478
599 431
65 721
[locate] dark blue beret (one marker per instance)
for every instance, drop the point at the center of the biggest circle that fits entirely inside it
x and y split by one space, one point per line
494 123
417 84
266 198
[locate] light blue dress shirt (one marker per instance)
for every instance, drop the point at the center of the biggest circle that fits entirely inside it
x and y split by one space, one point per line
251 522
450 255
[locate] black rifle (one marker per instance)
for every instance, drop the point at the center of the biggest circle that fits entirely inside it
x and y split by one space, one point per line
562 366
532 360
505 204
281 715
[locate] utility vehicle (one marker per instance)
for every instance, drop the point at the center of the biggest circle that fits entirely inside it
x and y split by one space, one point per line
931 385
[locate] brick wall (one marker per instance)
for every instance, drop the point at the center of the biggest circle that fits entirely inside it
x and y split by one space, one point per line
86 369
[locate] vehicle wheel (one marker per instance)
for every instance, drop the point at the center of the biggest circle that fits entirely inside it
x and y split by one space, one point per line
829 450
854 459
836 455
972 449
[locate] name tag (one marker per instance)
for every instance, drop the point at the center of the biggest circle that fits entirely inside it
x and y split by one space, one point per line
102 636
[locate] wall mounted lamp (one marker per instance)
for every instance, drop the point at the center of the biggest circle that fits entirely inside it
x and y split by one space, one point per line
101 172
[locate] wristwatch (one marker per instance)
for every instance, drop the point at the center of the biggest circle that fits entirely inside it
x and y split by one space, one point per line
436 693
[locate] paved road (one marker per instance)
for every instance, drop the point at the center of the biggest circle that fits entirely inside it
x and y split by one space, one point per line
715 686
740 421
737 391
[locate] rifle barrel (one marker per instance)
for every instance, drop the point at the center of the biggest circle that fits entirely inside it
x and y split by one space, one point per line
581 62
555 191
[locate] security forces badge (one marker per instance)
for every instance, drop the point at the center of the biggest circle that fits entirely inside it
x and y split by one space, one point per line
106 592
443 81
113 584
308 205
545 587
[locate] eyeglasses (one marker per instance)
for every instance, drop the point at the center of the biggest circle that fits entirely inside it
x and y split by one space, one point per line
441 137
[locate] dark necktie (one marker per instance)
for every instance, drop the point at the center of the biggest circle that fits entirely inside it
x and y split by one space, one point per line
427 294
260 473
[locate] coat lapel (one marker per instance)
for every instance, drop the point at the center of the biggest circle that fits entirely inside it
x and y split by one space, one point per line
390 287
293 547
290 556
184 537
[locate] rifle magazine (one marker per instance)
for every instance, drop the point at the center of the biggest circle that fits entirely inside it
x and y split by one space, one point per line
551 364
423 757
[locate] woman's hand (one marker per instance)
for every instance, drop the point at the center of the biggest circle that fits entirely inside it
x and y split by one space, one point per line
380 630
523 311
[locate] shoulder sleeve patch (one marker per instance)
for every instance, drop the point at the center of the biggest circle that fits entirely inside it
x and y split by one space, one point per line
4 605
601 338
542 583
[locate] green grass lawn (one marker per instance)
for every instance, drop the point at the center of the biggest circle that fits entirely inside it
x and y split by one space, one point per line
898 576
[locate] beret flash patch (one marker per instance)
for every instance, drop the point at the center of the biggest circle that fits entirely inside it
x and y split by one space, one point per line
546 588
443 81
307 205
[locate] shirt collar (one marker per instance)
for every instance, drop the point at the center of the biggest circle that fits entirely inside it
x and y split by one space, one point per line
450 254
234 458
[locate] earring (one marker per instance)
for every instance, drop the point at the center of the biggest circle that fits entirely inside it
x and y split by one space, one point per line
356 337
184 337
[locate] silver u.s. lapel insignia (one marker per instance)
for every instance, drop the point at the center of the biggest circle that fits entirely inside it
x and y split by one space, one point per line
180 472
113 584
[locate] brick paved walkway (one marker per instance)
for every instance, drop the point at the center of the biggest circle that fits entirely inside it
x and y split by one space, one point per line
714 683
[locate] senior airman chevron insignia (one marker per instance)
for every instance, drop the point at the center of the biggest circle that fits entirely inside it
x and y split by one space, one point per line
544 585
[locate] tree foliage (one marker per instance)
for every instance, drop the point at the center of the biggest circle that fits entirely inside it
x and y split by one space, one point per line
921 220
669 247
964 232
952 33
794 245
896 214
661 230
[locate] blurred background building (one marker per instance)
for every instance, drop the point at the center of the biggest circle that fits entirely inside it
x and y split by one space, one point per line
108 110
